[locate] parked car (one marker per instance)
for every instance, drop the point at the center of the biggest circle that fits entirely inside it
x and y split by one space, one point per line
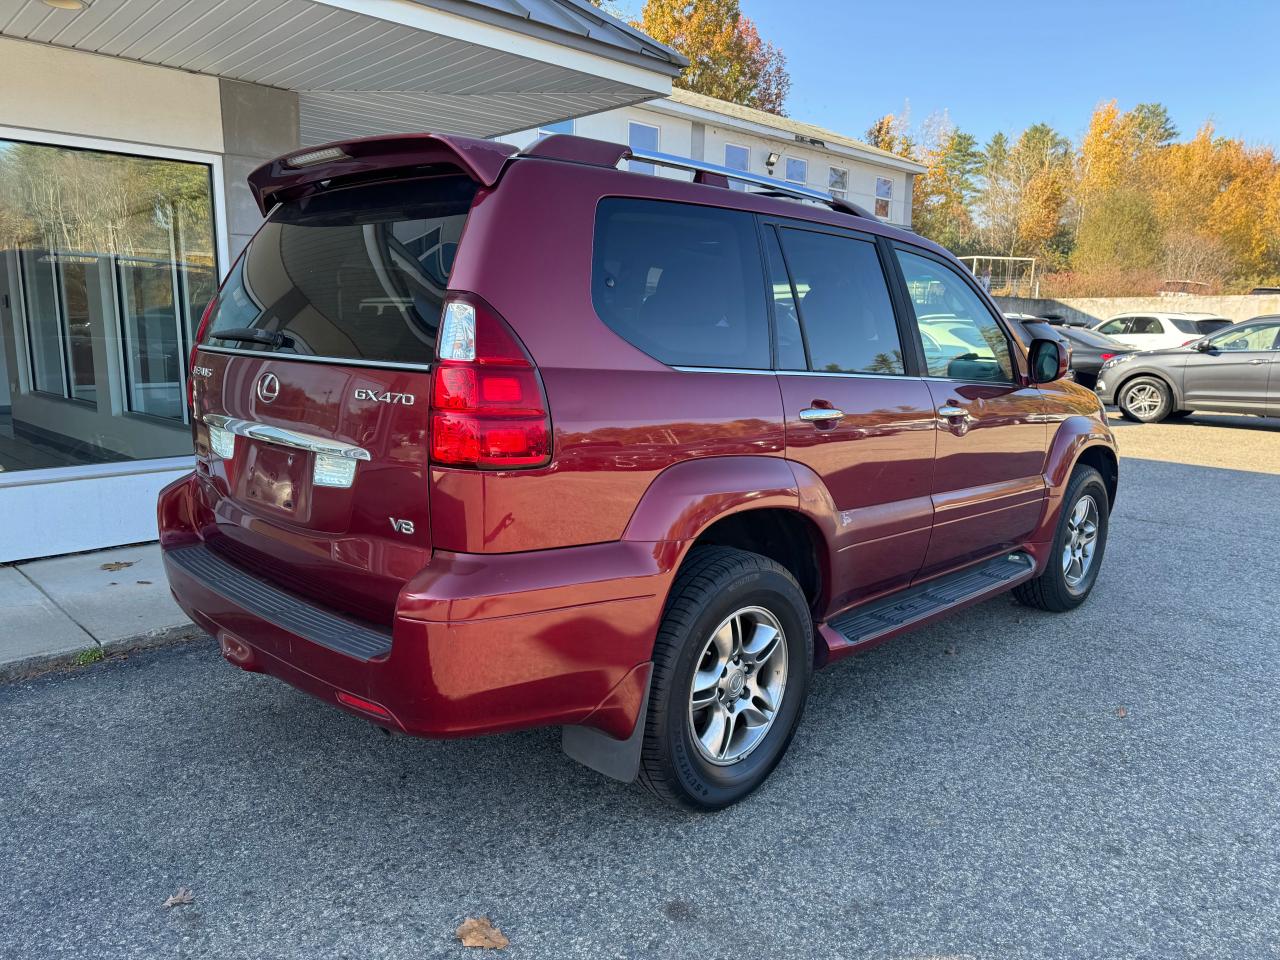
1157 331
1089 351
1236 370
1088 348
658 450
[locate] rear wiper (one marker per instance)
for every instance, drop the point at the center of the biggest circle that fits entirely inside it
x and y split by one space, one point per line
272 338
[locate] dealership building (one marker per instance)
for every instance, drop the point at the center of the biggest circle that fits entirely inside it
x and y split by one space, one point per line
127 128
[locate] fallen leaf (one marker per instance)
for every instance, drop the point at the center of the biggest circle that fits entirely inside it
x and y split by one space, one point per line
118 564
1121 712
180 899
950 651
480 932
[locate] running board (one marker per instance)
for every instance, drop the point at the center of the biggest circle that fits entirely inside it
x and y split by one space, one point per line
906 608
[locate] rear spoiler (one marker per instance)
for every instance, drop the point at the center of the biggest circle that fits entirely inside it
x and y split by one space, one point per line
307 171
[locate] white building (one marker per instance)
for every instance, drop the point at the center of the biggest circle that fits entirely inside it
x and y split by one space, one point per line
127 128
703 128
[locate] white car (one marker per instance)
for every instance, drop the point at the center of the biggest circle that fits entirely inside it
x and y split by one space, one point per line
1156 331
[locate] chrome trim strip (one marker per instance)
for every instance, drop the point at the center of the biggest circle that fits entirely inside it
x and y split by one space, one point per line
286 438
845 373
271 355
767 373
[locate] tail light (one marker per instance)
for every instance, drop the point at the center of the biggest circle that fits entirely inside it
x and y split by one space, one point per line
488 408
1107 356
1187 343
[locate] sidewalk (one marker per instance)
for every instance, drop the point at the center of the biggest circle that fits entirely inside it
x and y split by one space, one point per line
80 607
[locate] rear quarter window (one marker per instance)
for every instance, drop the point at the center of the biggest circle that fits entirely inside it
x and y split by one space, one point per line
681 282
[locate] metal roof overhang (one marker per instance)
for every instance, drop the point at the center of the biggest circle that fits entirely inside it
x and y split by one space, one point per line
364 67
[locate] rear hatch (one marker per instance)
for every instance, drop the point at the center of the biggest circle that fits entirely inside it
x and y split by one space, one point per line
311 389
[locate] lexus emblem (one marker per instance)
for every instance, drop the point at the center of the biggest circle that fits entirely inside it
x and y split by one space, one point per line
268 387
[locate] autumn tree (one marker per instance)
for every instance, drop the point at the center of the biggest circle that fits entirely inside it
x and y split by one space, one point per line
893 135
940 208
728 59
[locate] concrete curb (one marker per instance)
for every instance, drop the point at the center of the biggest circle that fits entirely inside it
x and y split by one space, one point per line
30 668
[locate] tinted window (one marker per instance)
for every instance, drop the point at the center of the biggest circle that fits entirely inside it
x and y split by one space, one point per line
1145 325
1114 327
682 283
356 274
786 317
844 303
1206 327
962 340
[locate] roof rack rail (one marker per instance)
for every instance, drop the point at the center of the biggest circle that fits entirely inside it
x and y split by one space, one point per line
774 187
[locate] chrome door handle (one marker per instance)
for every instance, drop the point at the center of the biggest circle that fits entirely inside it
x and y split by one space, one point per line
820 414
1258 360
950 411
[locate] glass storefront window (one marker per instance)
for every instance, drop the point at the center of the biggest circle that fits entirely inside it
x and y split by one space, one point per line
107 261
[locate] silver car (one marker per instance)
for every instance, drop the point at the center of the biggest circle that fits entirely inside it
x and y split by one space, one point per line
1235 370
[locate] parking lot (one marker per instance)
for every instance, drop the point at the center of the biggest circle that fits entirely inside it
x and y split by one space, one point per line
1006 784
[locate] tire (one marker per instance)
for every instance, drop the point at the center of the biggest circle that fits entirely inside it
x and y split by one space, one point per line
715 586
1145 399
1058 590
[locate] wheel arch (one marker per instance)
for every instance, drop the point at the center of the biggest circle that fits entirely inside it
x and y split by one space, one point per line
767 505
1175 393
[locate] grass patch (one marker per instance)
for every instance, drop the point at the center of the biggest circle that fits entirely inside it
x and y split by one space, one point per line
86 657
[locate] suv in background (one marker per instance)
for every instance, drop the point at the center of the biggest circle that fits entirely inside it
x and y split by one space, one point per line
1157 331
1236 370
487 441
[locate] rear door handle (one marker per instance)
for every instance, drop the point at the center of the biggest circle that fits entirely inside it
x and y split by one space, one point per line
820 414
950 411
1258 360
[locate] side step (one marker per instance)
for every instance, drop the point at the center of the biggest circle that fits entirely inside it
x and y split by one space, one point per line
894 613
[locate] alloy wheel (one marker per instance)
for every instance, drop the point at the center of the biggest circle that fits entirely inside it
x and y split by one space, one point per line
738 685
1081 542
1144 400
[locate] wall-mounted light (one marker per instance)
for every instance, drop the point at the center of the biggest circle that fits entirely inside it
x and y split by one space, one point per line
772 161
66 4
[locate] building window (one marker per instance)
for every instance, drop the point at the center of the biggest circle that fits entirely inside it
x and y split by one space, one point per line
642 136
838 182
796 171
884 197
737 158
107 286
562 126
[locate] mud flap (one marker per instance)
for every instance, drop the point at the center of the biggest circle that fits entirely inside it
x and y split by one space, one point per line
616 759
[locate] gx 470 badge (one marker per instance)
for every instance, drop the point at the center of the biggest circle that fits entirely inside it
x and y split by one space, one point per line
405 399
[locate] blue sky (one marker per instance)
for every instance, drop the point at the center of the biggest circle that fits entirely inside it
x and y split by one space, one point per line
1003 64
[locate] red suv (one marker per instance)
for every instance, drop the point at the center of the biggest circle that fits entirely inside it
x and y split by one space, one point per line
488 440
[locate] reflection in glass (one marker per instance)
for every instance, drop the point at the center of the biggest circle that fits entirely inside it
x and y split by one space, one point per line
108 261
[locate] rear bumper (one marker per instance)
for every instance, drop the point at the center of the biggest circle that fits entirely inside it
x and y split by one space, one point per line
479 643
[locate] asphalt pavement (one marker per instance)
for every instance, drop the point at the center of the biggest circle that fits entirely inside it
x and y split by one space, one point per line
1007 784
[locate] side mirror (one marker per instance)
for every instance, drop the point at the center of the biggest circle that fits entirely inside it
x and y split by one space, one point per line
1049 360
1204 346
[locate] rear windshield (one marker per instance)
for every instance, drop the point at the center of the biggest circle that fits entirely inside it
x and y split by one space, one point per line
356 274
1090 337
